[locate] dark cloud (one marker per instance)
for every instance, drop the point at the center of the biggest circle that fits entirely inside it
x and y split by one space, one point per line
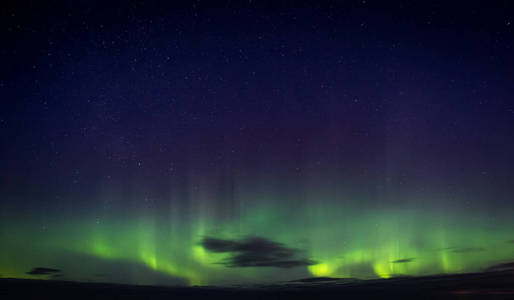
446 248
219 245
501 267
256 252
468 250
316 279
403 260
43 271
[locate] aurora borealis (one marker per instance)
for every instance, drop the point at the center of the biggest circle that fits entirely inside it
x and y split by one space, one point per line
214 144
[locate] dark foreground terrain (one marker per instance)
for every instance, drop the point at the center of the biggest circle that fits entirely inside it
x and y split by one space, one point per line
487 285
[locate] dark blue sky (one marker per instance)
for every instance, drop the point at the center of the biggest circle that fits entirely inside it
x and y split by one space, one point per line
396 103
88 87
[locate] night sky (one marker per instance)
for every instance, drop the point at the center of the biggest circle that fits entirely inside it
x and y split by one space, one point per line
245 142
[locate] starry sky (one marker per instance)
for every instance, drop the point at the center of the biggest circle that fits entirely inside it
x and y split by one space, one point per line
233 142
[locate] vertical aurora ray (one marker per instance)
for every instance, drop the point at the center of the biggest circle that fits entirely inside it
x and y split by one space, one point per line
359 137
345 241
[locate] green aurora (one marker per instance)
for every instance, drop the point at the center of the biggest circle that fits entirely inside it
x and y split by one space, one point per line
361 139
344 241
